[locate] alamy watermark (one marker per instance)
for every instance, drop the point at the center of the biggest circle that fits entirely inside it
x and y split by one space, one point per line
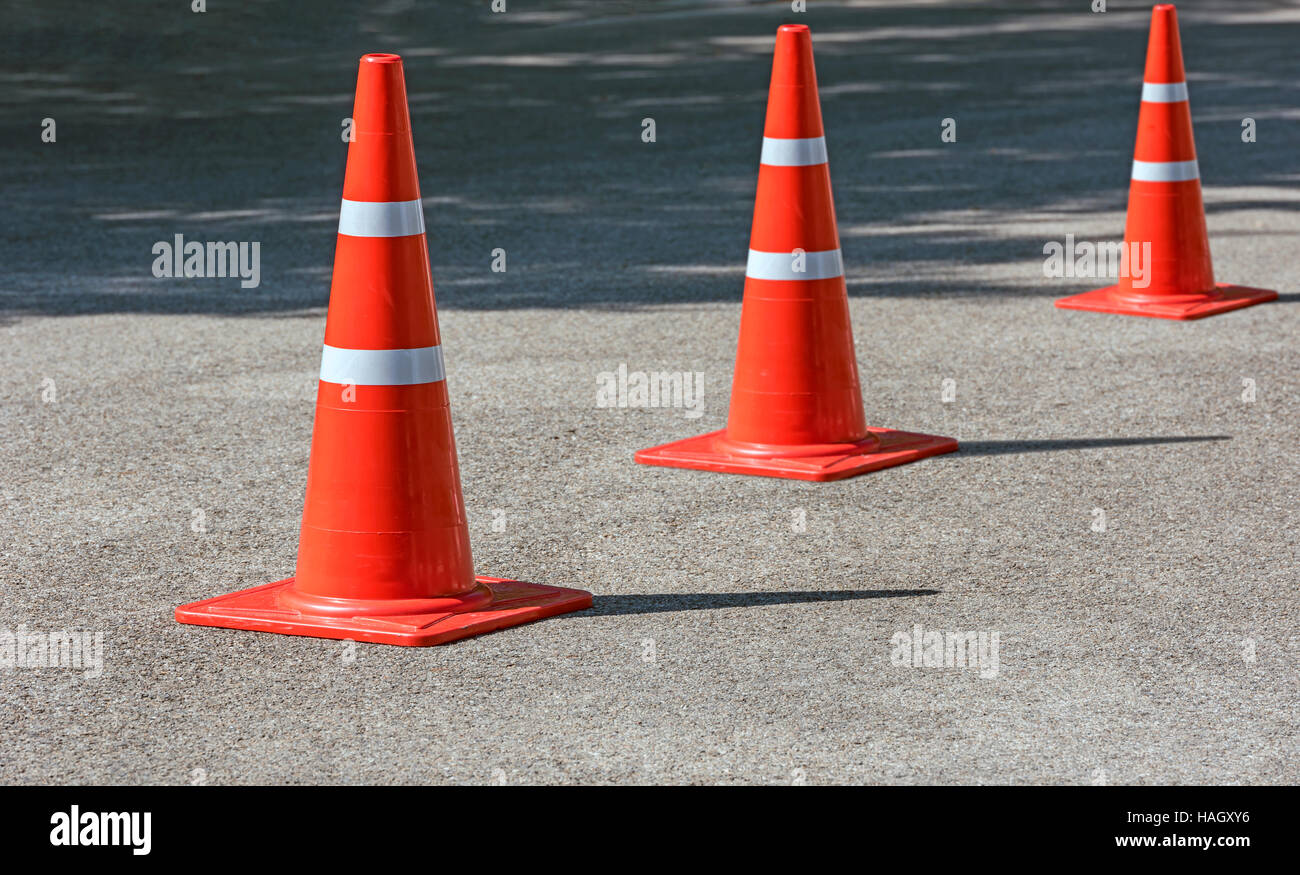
82 651
213 259
933 649
624 388
74 827
1098 260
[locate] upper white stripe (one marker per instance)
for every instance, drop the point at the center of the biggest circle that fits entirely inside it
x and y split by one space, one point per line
381 218
381 367
780 265
1164 92
1165 171
792 152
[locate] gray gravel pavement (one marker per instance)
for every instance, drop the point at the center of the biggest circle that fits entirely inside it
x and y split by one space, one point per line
728 643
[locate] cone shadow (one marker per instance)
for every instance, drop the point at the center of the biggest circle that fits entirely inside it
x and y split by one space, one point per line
662 603
999 448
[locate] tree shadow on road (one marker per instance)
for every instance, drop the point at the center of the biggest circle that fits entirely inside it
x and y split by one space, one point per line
528 128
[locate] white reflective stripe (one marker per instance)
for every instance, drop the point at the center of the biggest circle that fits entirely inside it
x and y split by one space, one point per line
381 218
1165 171
1164 92
381 367
780 265
793 153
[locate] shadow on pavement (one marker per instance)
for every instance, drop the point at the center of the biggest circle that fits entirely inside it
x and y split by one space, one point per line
659 603
998 448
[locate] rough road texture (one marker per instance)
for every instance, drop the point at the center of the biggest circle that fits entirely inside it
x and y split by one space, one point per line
724 646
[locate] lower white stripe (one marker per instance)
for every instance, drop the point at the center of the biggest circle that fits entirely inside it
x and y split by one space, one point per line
381 367
1165 171
793 153
781 265
1164 92
381 218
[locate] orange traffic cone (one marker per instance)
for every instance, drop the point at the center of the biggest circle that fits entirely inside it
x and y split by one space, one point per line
796 405
1164 204
384 551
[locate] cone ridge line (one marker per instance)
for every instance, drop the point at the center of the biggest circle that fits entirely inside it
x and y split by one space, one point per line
793 152
381 367
1165 171
1164 92
780 265
381 218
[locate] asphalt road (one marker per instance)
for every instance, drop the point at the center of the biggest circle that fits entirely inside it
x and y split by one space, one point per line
156 431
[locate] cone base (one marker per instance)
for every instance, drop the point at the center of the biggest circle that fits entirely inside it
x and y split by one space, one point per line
889 448
260 609
1225 297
